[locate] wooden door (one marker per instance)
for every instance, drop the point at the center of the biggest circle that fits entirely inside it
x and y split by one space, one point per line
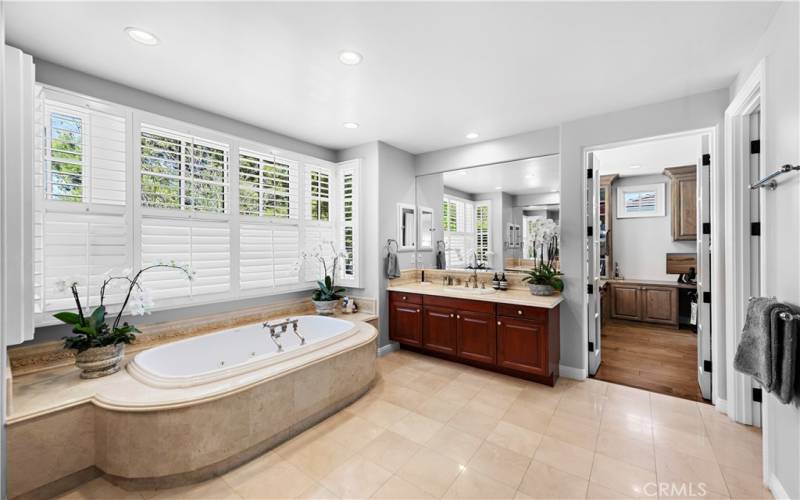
477 336
522 345
625 302
405 323
660 305
439 329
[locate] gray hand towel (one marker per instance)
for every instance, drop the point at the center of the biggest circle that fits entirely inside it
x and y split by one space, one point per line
440 262
753 354
784 354
392 266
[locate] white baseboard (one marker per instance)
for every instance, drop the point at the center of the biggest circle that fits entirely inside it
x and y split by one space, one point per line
721 405
776 488
573 373
390 347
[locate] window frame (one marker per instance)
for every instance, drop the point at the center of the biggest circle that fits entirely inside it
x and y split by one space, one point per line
135 212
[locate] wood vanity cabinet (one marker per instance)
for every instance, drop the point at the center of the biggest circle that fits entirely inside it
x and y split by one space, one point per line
683 198
516 340
405 318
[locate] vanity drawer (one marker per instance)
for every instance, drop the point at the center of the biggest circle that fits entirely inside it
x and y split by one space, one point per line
522 312
408 298
459 304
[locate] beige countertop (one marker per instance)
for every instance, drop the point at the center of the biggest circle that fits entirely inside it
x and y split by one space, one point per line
519 297
40 393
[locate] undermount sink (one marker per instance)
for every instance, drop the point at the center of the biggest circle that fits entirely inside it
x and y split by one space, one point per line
472 291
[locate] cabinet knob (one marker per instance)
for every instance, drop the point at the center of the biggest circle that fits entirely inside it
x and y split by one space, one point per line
451 315
499 323
458 316
405 298
519 311
417 310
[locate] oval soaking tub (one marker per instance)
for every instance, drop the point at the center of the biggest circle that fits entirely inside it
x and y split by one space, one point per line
228 353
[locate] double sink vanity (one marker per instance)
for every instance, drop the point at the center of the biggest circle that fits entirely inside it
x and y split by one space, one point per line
509 331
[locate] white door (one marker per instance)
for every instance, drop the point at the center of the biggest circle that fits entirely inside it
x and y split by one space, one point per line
704 268
592 267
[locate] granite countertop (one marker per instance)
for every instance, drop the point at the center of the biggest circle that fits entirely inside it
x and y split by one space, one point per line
519 297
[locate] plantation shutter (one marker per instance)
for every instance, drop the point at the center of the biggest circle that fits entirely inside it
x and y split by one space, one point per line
317 193
482 231
268 186
81 225
204 245
268 256
349 222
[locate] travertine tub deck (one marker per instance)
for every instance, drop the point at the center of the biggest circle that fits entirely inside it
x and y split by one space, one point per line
63 428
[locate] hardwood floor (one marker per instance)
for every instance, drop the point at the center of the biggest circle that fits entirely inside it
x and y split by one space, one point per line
655 358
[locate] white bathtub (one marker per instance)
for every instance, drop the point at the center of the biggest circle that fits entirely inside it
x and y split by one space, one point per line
228 353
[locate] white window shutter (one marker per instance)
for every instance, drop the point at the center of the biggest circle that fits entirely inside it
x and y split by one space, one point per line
268 256
349 209
16 188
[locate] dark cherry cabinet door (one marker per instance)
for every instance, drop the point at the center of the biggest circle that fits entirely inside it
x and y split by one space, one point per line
477 336
406 323
439 329
522 345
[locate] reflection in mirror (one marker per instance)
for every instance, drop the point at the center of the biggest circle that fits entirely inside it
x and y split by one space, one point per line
425 228
499 217
406 227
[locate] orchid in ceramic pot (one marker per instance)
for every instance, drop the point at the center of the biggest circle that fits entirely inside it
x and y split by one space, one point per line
100 346
327 295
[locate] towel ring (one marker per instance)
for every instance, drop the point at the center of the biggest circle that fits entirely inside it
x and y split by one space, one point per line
440 245
388 246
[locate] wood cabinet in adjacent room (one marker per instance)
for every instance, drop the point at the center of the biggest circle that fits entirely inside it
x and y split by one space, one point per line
660 304
652 302
626 302
683 199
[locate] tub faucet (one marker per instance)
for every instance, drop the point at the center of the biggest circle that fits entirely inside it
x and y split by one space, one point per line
277 329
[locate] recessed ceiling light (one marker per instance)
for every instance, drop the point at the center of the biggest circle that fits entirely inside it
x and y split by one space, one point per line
554 190
529 176
634 167
350 125
349 57
499 187
472 135
142 36
462 172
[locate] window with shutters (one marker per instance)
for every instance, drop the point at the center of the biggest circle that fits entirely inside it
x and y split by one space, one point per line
482 232
242 234
182 172
267 186
318 194
458 221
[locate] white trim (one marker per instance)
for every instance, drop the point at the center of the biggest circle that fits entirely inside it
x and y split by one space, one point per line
388 348
573 373
717 251
737 240
776 487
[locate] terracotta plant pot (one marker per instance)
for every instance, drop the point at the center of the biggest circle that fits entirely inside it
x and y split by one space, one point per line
542 290
100 361
325 307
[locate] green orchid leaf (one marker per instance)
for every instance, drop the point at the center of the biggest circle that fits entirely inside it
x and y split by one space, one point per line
69 318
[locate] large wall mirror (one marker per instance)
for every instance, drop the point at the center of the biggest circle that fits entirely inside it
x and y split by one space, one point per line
490 217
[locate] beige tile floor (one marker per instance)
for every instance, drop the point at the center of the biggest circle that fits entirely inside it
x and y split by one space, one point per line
433 429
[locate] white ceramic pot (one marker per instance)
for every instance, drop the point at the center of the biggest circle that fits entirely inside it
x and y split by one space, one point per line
542 290
97 362
326 307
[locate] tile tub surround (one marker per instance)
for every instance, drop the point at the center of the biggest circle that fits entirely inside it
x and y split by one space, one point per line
34 358
144 437
434 429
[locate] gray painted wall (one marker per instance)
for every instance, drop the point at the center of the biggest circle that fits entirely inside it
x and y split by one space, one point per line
522 200
83 83
2 255
781 220
641 244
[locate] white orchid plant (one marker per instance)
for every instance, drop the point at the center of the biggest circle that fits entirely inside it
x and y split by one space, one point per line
543 240
93 330
325 254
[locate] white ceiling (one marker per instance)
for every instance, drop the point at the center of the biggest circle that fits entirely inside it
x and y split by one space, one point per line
534 175
431 72
651 157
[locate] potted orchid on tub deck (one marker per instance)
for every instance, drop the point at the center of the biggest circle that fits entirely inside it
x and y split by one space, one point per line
101 347
327 296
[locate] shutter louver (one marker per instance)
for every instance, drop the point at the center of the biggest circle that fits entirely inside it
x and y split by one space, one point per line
203 245
349 216
268 256
268 186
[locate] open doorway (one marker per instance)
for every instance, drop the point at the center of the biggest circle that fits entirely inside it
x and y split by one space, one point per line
648 264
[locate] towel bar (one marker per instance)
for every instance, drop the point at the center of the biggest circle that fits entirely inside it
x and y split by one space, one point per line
786 316
769 181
